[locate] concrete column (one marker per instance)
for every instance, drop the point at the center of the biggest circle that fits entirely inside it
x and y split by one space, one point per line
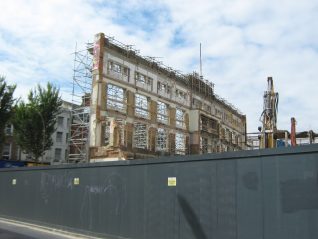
172 143
152 139
129 135
97 91
172 117
195 143
153 111
130 103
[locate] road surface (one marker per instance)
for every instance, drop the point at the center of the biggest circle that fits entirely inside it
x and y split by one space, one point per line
16 230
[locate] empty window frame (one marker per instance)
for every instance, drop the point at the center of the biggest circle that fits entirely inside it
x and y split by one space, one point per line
58 154
236 139
161 140
239 140
141 106
180 94
162 87
222 133
207 108
196 103
121 132
204 123
207 123
218 113
118 68
6 152
107 133
233 138
115 97
143 79
180 118
180 143
59 137
140 135
228 135
204 145
226 117
109 129
60 121
162 112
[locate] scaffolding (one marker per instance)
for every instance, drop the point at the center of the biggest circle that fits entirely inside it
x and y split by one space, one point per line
81 92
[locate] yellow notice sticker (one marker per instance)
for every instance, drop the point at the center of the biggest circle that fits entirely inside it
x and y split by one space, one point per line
172 181
76 181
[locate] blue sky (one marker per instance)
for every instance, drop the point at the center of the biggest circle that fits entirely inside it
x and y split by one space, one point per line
243 42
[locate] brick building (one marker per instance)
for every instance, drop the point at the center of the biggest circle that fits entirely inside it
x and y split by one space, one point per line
141 109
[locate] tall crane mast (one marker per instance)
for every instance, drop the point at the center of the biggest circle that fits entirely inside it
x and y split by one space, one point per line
269 116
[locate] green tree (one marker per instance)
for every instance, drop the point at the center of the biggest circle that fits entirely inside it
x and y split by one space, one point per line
34 121
6 106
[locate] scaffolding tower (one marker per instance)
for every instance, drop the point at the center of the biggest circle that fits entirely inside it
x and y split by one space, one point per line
81 92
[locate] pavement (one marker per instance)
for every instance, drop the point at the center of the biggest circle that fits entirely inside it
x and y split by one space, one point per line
10 229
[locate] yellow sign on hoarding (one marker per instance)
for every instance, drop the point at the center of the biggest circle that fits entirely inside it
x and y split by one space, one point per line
76 181
172 181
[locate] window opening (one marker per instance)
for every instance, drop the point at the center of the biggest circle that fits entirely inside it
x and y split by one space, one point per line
180 143
180 94
141 104
180 118
204 145
162 139
115 97
115 67
140 135
143 81
60 121
59 137
58 154
162 112
114 133
163 88
6 151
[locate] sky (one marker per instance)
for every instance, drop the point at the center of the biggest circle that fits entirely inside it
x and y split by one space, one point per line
243 43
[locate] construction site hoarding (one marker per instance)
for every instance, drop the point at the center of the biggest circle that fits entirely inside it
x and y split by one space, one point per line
270 193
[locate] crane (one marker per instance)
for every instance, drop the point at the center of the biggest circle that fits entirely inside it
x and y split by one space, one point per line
269 117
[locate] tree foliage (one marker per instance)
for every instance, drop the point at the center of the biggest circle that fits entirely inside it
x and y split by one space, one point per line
34 121
6 106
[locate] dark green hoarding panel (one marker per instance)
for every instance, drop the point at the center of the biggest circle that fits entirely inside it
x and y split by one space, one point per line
263 194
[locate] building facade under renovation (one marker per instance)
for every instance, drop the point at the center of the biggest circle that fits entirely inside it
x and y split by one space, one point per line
140 109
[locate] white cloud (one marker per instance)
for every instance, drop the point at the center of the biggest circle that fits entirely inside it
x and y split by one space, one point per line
244 41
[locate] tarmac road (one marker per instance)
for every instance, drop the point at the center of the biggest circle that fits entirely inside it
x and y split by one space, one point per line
4 234
16 230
